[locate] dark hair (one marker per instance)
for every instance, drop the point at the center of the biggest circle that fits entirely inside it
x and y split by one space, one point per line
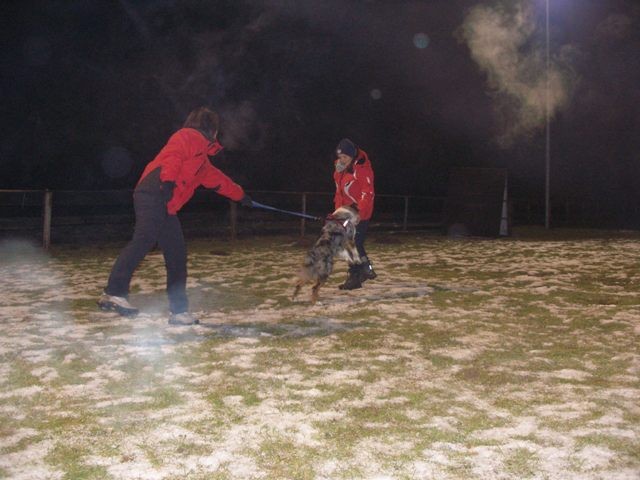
204 120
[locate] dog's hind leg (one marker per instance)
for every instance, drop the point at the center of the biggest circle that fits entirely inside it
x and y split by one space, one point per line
315 290
296 290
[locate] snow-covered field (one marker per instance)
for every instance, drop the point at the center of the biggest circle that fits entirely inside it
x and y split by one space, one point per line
465 359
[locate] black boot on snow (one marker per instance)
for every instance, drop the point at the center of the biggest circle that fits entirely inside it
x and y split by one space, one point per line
366 270
353 279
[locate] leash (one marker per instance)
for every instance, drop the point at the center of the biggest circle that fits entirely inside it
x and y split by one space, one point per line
297 214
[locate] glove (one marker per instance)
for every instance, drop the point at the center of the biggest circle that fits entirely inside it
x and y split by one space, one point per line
166 188
246 201
355 207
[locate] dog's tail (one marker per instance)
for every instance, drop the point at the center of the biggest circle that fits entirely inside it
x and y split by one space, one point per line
305 274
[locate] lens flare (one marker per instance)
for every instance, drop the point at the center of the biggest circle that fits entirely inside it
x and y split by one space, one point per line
421 40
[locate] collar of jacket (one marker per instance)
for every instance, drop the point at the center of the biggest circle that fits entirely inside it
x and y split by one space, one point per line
213 145
214 148
360 159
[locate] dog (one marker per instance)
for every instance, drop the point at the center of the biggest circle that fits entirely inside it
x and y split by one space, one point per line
336 241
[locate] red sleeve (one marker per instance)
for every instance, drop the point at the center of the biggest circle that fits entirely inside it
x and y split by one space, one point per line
214 178
365 182
173 155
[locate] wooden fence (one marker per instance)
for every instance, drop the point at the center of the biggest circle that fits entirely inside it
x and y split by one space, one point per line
31 211
64 216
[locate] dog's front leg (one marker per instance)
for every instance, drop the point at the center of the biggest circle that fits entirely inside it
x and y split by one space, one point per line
354 256
296 290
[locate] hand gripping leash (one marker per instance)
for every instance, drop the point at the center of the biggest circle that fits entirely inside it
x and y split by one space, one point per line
297 214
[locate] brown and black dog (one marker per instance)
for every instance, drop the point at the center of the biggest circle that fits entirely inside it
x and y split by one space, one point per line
335 241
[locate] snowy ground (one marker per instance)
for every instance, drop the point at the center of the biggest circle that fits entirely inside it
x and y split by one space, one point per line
465 359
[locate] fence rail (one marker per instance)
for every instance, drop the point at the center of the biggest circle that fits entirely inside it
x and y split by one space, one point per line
64 216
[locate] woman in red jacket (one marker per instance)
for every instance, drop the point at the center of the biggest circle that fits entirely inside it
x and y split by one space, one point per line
166 184
354 187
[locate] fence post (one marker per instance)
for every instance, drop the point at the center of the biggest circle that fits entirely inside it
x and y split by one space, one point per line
233 217
406 213
46 225
304 212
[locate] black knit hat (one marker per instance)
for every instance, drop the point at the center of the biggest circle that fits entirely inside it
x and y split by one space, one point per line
347 147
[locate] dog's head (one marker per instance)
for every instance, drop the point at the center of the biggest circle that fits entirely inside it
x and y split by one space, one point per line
343 214
342 224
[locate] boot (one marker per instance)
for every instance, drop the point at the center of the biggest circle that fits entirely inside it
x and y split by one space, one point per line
353 279
366 270
184 318
121 305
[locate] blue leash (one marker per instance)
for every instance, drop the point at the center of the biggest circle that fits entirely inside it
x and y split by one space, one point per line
297 214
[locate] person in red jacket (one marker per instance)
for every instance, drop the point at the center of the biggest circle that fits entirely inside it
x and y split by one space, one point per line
166 184
353 176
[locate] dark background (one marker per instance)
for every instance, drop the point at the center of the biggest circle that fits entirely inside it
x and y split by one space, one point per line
91 90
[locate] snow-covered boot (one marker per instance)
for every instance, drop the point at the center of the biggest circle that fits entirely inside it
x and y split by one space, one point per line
366 270
184 318
353 278
119 304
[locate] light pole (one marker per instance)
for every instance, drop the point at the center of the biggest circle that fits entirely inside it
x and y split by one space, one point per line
547 195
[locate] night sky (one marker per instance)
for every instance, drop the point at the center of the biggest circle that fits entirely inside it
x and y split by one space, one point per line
91 90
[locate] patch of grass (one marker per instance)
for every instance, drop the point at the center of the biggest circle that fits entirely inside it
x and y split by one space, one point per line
478 420
340 437
424 335
485 376
69 458
580 420
164 397
444 298
335 394
61 424
391 413
442 362
373 364
20 375
140 376
521 463
21 445
245 387
71 363
628 450
280 457
185 448
595 297
567 353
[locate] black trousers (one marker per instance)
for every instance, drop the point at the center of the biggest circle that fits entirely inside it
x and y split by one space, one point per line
153 226
361 236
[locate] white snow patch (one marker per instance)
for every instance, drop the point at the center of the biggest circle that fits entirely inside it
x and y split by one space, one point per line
592 457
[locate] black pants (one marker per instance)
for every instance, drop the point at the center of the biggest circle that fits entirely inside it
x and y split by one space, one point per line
361 235
153 226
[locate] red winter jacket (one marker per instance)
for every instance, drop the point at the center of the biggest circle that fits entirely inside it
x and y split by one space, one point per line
355 185
184 160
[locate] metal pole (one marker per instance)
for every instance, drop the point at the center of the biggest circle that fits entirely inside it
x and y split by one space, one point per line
46 225
304 212
547 175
